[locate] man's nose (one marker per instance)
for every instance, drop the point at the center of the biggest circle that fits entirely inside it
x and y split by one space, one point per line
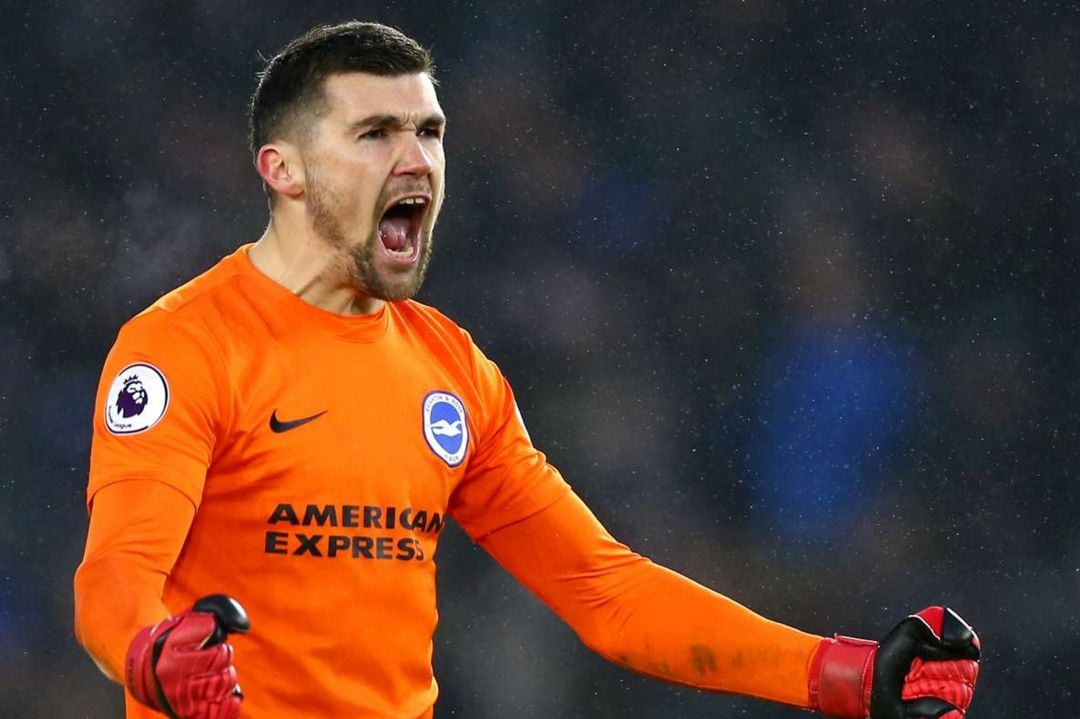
416 159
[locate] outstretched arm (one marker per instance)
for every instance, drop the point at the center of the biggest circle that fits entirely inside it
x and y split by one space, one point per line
647 618
659 623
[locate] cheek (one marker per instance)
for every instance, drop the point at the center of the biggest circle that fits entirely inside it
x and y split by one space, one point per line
356 200
366 190
349 180
438 180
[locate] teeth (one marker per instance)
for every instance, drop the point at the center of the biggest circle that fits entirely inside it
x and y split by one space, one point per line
413 201
405 251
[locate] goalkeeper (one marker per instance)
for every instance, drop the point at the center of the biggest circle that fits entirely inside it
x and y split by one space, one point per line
278 443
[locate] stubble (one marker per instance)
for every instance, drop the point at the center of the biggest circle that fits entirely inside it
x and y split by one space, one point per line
358 259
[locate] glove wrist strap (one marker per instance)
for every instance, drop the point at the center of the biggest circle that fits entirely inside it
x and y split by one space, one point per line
139 669
840 677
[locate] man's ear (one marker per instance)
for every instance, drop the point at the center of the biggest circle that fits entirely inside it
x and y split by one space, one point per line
281 169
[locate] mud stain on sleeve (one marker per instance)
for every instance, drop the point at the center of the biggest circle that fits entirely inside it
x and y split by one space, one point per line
703 659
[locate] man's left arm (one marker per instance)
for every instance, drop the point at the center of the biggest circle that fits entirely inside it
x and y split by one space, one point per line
656 622
645 617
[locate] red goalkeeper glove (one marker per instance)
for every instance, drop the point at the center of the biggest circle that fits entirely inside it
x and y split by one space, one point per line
182 666
924 669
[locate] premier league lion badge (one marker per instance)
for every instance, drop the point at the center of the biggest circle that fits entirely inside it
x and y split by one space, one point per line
445 428
137 399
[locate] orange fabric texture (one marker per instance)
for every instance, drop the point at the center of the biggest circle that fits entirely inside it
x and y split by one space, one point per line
325 530
648 618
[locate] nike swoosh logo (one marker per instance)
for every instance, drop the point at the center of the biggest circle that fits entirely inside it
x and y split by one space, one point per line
279 426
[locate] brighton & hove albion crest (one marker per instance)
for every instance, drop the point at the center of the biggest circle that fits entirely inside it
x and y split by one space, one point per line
444 427
137 399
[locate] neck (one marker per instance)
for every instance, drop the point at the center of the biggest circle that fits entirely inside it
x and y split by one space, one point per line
301 262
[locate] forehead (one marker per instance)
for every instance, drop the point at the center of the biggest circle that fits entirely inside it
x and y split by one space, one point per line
354 95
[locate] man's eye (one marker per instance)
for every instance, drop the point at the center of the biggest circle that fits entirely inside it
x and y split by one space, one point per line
374 133
429 132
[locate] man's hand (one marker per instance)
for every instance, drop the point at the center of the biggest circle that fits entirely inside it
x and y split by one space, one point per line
924 669
182 665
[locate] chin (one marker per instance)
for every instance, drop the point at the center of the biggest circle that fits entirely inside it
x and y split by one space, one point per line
391 289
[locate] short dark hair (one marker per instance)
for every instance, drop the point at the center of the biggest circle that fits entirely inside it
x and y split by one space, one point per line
291 84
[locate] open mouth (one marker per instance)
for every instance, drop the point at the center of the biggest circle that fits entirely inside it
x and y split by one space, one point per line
399 228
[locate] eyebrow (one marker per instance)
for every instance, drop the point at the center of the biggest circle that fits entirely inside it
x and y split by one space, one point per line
395 122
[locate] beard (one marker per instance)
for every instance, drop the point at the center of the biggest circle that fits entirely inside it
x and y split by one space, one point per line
358 261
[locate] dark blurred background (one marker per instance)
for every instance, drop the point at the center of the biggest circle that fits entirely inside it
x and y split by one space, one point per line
785 289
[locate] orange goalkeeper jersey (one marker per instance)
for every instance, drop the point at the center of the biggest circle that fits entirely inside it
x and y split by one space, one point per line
323 454
250 444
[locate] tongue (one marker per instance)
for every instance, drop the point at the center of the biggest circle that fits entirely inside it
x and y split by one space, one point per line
394 232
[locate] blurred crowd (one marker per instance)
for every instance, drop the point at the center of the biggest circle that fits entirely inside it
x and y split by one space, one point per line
785 289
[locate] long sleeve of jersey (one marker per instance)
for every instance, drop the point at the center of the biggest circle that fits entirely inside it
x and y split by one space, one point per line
647 618
144 486
137 529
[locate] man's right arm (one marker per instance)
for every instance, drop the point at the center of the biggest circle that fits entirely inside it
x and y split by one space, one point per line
137 529
162 403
